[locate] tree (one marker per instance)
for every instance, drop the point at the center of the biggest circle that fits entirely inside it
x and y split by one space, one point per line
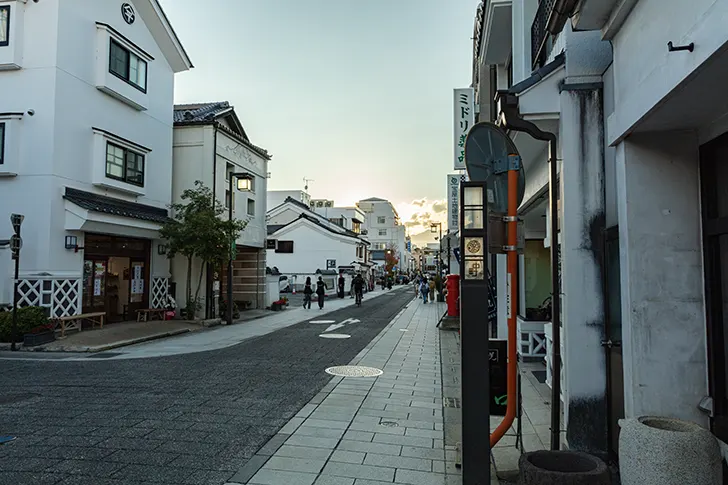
390 259
198 229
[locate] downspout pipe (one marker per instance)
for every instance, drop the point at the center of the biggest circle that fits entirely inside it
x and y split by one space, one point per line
210 299
510 119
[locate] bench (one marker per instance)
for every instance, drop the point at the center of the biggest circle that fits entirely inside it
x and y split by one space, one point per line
75 322
147 314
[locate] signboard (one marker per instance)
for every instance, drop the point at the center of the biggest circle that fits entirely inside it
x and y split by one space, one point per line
453 202
498 371
464 118
330 264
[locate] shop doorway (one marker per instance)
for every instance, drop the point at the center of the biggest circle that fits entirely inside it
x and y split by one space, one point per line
714 192
613 332
115 276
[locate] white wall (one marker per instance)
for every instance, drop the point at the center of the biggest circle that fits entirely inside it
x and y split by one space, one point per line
277 197
311 248
663 311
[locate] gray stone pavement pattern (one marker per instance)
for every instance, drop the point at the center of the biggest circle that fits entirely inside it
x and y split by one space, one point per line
185 419
370 431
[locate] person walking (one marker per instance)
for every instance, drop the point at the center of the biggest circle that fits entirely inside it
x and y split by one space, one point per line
321 292
307 292
341 285
432 289
424 289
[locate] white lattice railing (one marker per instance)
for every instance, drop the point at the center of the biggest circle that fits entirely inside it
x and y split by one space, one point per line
548 360
532 340
62 295
160 287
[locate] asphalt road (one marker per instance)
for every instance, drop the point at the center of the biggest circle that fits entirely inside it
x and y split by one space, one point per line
185 419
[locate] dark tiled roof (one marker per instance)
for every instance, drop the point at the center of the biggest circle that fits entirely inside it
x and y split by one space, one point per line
207 113
199 111
314 216
274 227
539 74
117 207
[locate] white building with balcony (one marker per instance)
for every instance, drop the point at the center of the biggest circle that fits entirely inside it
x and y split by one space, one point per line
385 231
86 136
210 143
632 91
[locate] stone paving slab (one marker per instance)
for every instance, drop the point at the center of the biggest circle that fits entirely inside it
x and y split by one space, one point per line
372 431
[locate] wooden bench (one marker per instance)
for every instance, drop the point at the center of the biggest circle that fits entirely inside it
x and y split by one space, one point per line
150 314
75 322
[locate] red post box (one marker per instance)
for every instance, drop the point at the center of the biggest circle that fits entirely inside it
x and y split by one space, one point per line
453 295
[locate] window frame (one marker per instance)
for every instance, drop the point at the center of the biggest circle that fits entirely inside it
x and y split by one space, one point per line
381 219
382 232
3 132
127 77
248 207
125 166
284 250
6 42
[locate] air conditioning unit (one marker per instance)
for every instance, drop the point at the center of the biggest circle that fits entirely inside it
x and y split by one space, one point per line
320 203
329 203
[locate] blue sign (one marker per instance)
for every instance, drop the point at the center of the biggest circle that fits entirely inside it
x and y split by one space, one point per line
409 246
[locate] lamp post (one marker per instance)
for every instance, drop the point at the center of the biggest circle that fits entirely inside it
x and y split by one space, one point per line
433 229
245 182
15 244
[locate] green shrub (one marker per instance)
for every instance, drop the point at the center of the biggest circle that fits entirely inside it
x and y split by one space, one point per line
28 319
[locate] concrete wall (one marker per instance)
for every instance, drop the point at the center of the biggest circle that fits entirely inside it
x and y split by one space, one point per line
663 311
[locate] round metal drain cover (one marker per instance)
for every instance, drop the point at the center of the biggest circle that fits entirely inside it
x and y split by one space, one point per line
354 371
334 335
389 424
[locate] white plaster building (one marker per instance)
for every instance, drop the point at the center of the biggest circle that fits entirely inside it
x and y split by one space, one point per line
210 143
301 242
86 137
384 230
351 218
632 90
277 197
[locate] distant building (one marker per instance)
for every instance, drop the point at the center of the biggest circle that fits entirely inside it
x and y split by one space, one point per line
277 197
384 231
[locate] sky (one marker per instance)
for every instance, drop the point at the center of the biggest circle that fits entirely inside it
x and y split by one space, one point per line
355 95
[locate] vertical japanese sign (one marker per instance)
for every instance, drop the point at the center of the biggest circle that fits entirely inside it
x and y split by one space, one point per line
453 202
464 120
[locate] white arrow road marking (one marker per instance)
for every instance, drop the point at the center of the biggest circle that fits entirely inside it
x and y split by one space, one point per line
336 326
322 321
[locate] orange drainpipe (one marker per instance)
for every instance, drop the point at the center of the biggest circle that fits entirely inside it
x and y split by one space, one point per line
512 285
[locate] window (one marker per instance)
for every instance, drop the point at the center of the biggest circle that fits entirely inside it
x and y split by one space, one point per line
381 220
285 247
4 25
382 232
339 221
229 170
128 66
356 227
2 143
251 207
124 164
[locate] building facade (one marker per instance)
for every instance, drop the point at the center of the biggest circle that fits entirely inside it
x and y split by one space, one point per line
385 231
86 155
210 143
277 197
640 137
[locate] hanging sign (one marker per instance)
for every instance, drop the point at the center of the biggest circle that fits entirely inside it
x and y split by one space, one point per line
453 202
464 118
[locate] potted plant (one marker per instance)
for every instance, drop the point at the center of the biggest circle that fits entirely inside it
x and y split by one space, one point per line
42 334
28 318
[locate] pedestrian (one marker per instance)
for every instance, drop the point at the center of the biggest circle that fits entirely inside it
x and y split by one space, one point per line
432 289
424 289
341 285
307 292
321 292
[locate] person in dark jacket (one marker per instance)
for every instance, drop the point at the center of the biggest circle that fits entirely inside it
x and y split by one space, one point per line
320 292
307 292
341 285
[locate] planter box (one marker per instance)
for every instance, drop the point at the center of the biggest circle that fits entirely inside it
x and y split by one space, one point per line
35 339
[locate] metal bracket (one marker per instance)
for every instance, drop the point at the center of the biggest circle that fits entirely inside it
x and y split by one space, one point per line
510 248
673 48
512 162
511 219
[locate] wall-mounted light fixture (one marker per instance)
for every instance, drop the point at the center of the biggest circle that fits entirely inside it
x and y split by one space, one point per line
71 242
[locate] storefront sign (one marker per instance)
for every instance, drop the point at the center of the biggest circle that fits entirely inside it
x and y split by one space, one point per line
464 118
453 202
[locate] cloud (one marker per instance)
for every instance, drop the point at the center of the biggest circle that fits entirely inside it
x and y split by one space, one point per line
419 202
439 206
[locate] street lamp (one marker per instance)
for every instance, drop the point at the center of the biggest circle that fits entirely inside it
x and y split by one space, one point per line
433 229
245 184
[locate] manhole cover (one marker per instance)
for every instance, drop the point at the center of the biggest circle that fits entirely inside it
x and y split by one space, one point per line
389 424
354 371
322 321
334 335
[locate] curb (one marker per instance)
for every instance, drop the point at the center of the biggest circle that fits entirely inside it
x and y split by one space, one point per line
126 343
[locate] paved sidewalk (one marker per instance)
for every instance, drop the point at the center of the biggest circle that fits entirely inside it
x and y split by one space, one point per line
370 430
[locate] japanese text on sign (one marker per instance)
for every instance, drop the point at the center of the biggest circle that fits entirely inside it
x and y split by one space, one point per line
464 118
453 202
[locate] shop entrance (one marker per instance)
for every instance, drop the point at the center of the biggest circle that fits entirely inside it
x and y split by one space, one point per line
115 276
